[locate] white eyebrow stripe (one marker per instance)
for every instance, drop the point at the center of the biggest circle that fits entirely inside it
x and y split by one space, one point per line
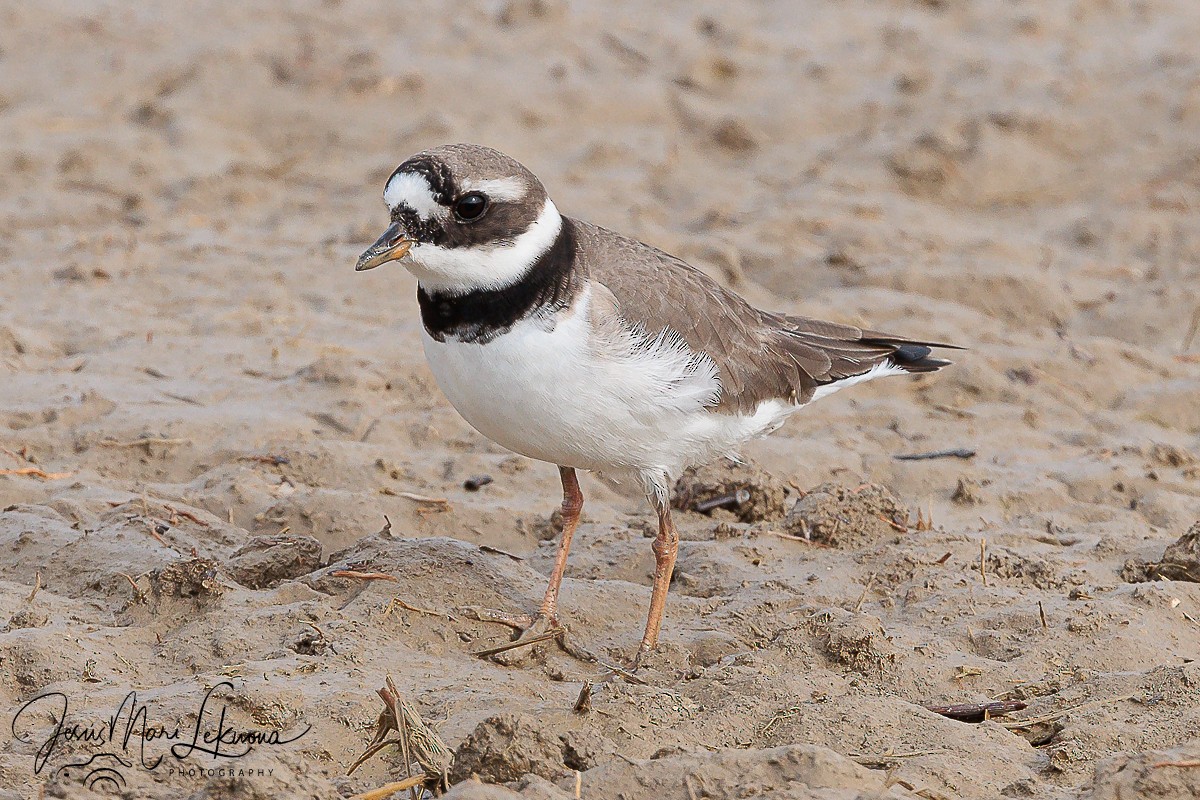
497 188
413 190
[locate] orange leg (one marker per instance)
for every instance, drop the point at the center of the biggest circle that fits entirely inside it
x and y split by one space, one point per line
666 547
544 625
572 507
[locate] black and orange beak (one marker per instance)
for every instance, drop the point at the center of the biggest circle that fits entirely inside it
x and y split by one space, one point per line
393 244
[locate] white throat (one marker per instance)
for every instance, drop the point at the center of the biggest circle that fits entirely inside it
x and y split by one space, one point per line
459 270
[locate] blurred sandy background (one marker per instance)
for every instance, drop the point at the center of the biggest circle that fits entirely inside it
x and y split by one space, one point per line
187 354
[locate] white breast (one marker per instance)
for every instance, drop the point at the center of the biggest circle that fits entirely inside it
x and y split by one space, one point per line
556 391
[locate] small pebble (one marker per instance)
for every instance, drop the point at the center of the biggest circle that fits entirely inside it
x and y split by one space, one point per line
476 482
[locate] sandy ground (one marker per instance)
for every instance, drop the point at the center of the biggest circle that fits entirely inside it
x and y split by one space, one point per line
185 350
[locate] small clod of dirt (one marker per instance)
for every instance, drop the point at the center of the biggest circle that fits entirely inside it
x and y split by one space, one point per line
546 528
78 274
27 618
968 492
1180 562
265 561
1168 455
505 747
1181 559
735 136
1148 775
847 517
1028 568
310 643
856 640
1137 571
331 371
191 577
763 495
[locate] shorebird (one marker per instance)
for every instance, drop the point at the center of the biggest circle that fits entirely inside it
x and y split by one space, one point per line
571 344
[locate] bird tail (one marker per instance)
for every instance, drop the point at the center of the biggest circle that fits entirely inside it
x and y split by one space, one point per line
914 357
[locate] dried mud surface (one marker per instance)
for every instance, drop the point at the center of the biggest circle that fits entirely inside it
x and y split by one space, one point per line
223 413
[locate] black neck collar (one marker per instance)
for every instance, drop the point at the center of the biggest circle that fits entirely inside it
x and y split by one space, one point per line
481 315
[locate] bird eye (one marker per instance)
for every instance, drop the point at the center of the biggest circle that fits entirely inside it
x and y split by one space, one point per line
470 207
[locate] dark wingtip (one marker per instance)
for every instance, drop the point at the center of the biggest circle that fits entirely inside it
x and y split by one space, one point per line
911 353
915 358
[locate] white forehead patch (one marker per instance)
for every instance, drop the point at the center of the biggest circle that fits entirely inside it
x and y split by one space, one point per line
503 189
411 189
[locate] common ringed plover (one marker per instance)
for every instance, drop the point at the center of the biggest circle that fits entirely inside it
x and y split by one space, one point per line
574 345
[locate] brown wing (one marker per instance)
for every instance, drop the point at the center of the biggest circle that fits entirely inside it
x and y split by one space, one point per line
760 355
832 352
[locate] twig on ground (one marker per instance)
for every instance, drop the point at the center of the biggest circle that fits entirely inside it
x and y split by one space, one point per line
396 601
443 503
961 413
150 529
37 472
362 576
271 460
862 598
978 712
149 440
552 633
882 759
957 452
983 560
138 595
180 512
487 548
1184 764
732 499
183 398
792 538
624 673
517 622
389 789
37 585
787 713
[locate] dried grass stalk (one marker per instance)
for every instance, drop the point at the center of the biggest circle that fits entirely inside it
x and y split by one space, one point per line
417 741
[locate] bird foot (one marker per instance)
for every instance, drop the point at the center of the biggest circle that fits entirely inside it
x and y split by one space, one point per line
518 622
534 630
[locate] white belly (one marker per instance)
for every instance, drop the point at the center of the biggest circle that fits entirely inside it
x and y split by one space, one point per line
552 394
